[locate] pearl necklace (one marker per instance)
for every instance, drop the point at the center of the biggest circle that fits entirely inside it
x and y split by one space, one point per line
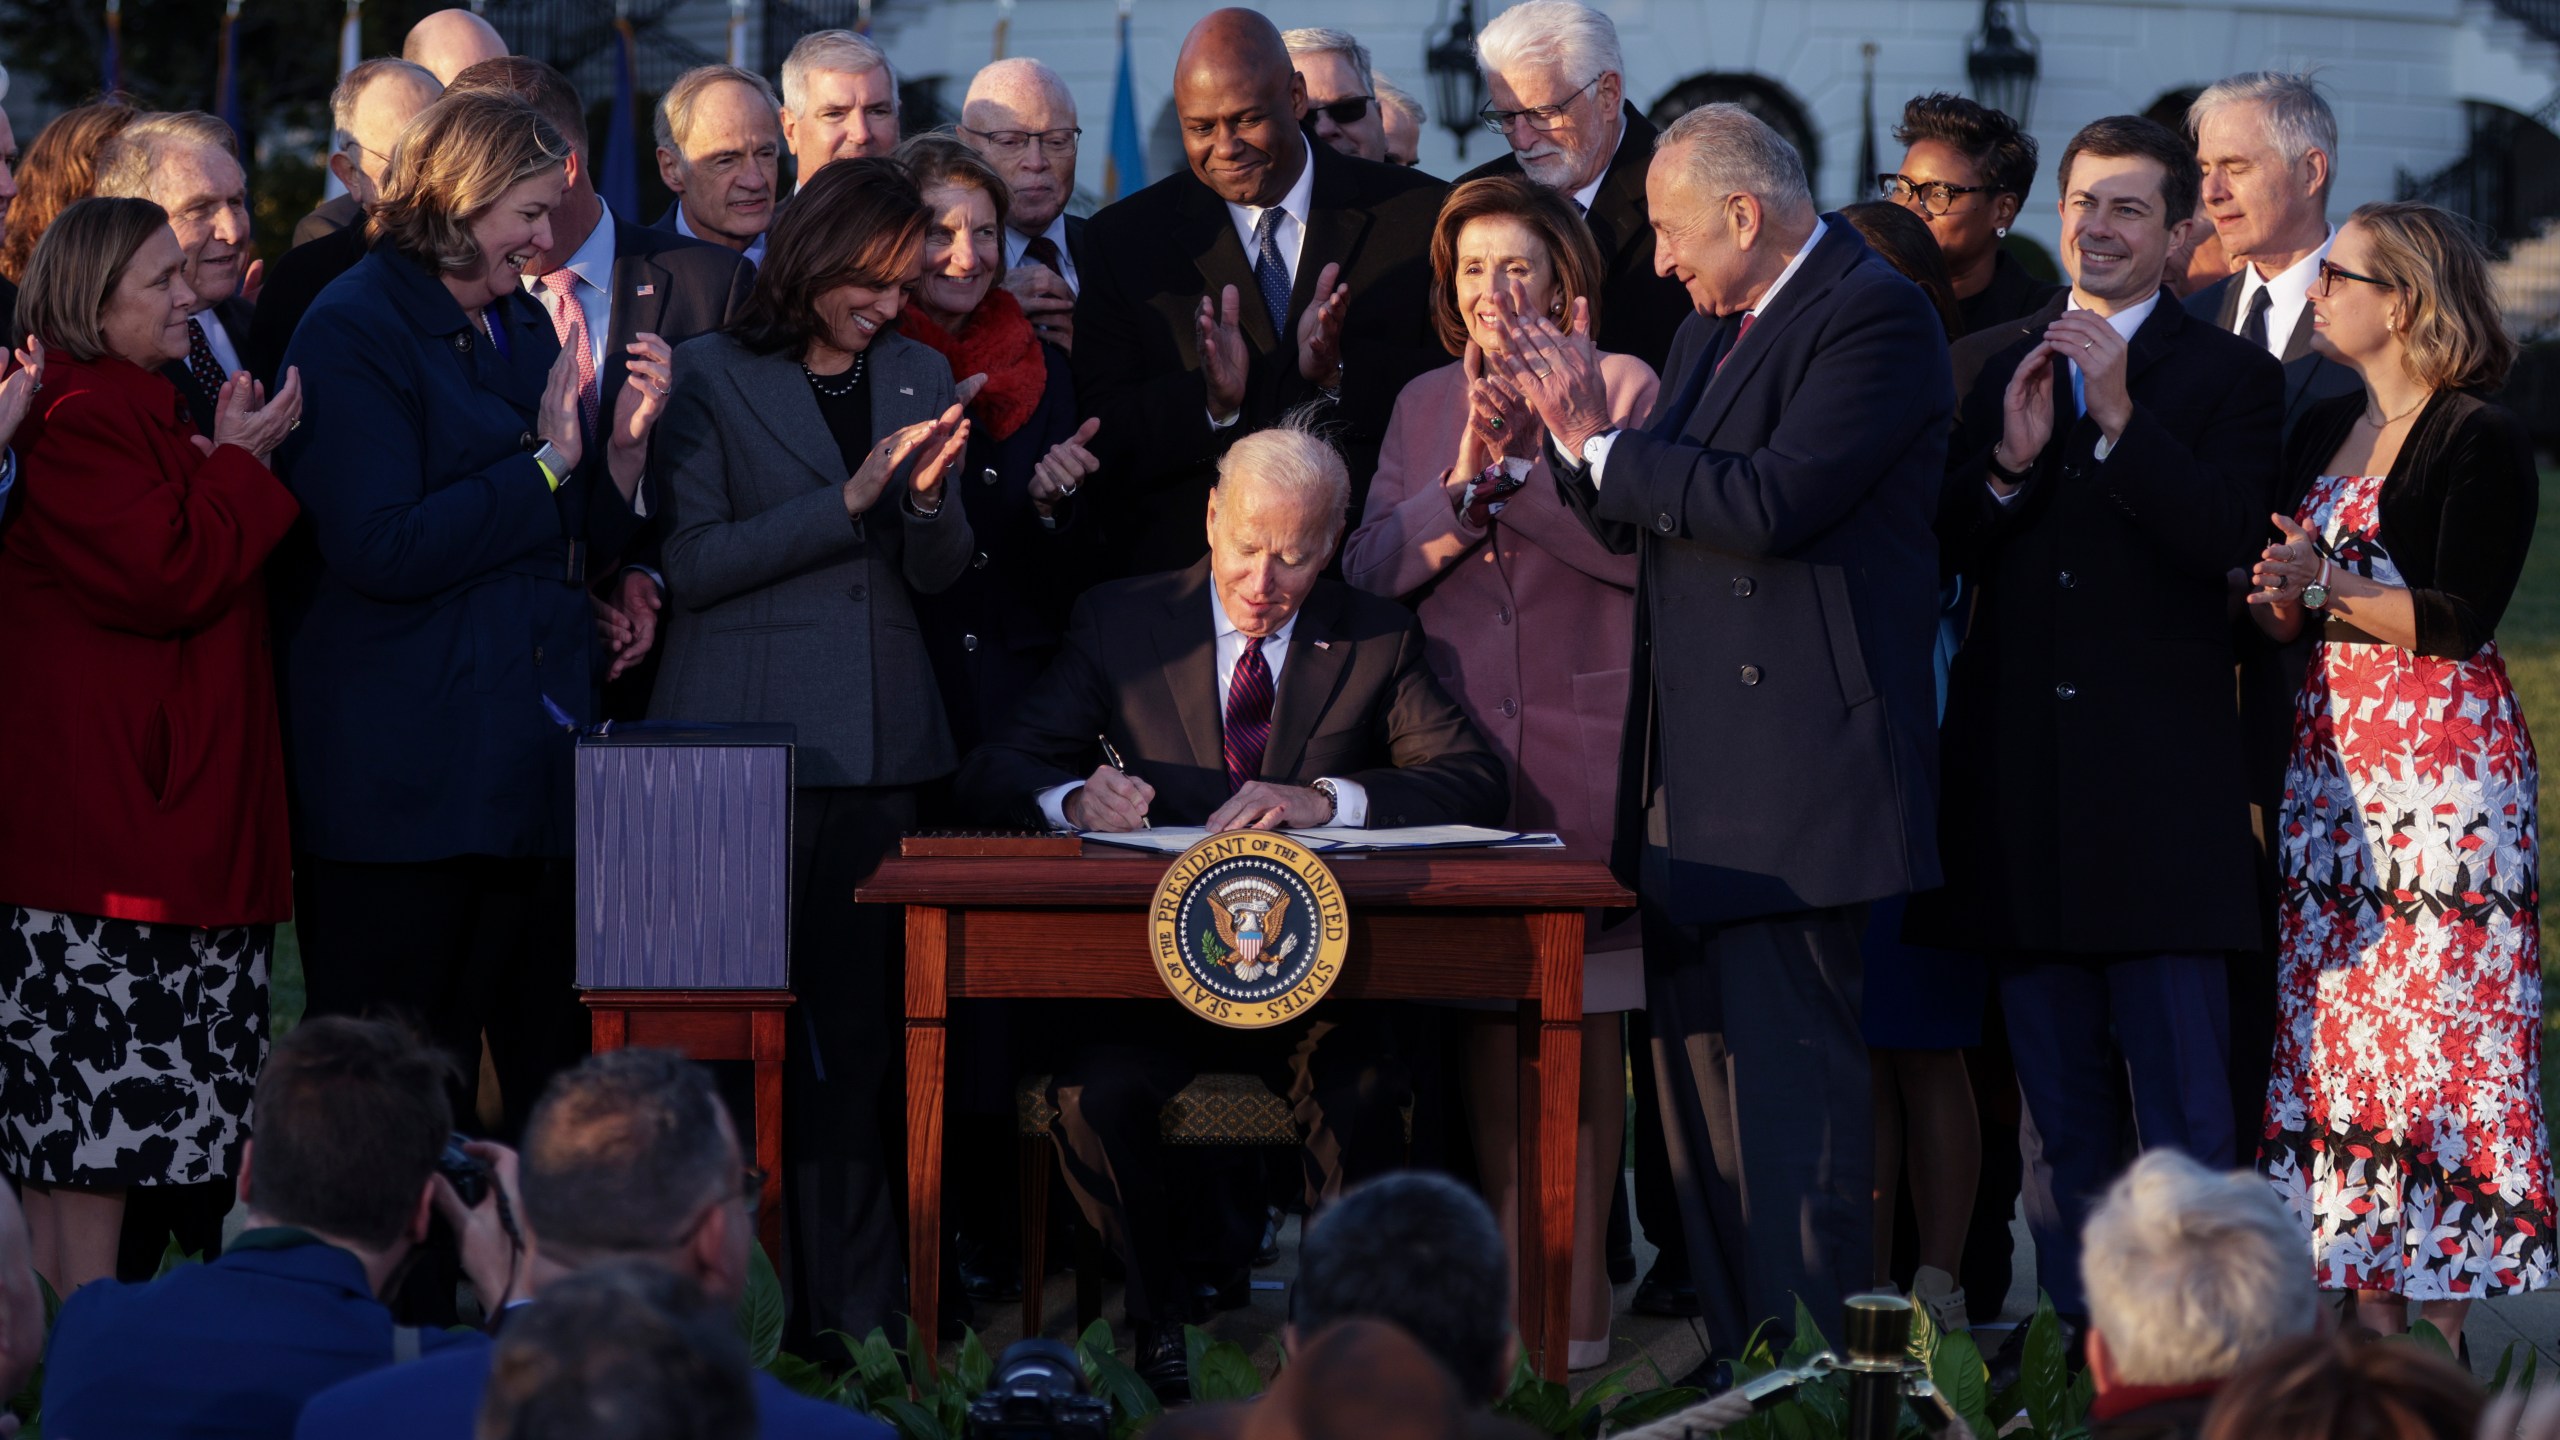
839 388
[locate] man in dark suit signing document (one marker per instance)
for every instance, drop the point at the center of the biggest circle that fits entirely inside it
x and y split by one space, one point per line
1246 691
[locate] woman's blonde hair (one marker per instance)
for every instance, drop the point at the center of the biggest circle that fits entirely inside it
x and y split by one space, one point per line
451 165
75 268
2453 334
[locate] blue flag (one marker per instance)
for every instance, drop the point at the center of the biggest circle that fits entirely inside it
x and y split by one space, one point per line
227 67
1126 168
619 184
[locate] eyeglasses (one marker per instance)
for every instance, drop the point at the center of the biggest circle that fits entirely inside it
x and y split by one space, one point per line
1349 110
1540 117
2330 275
1935 196
1014 142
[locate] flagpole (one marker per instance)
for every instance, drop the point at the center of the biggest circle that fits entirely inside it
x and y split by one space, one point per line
619 184
1004 25
862 17
226 73
1125 163
738 33
115 47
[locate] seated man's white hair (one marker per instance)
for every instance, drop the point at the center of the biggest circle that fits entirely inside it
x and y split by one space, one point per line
1291 458
2191 1272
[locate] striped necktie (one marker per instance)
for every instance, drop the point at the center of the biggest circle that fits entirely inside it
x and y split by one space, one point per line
1248 715
1270 272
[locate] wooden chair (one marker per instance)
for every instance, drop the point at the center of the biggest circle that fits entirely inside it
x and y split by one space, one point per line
713 1025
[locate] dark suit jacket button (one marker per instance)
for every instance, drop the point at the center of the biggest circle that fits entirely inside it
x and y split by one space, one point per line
978 561
1663 524
2067 581
857 593
1502 614
1742 587
1510 707
987 476
1750 674
968 642
2066 690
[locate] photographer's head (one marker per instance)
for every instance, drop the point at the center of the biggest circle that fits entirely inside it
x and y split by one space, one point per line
621 1352
1422 1251
631 1156
349 1116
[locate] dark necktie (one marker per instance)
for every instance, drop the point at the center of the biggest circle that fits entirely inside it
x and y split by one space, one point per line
1248 715
1739 331
2253 326
206 370
1041 250
1270 272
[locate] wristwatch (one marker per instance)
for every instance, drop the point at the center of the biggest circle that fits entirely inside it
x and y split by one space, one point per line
2316 594
555 466
1332 797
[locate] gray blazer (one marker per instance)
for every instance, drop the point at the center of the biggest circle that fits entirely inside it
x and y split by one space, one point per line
784 608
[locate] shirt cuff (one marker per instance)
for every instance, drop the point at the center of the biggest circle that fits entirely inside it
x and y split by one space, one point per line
1227 424
1350 803
2003 499
655 578
2106 447
1053 804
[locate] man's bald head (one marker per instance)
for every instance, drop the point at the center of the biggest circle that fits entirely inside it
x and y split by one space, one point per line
1017 84
1011 105
449 42
1238 97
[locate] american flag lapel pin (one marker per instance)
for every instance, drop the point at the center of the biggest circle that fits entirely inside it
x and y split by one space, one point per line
1324 644
638 290
906 389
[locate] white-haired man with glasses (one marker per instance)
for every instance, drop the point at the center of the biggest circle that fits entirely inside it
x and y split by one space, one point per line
1558 88
1342 90
839 100
1022 117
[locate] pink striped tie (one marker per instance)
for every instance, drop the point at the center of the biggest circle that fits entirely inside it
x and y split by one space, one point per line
1248 715
569 322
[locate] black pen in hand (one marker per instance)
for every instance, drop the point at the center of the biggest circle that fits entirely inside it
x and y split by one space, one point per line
1111 757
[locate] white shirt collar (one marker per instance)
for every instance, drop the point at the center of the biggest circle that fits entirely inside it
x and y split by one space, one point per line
754 252
1226 628
1794 263
1015 242
2124 322
591 262
1297 205
2288 293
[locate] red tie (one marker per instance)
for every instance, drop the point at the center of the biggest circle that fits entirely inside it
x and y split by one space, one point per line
1747 318
569 322
1248 715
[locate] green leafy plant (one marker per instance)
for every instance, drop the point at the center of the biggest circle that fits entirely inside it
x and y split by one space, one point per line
1548 1407
2049 1401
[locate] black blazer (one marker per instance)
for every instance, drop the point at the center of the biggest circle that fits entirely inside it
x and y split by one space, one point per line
1640 311
1788 597
994 631
2013 294
330 216
1148 260
2094 793
670 286
2309 376
293 282
236 317
2457 511
1140 664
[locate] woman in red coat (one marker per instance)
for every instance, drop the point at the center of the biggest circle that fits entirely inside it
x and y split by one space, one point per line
143 859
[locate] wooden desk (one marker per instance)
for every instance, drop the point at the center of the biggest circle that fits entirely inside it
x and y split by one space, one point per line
1428 925
712 1025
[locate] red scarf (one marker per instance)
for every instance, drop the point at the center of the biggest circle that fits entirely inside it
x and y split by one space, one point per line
996 341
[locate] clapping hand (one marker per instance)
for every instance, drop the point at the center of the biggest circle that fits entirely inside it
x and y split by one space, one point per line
246 416
2286 566
559 419
2026 414
637 408
1063 471
18 392
1222 357
1556 372
1320 331
2088 341
925 482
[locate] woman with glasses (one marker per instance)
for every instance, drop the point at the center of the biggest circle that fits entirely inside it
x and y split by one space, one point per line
2404 1116
1966 170
1529 620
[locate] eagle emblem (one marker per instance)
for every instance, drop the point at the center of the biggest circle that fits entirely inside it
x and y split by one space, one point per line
1245 914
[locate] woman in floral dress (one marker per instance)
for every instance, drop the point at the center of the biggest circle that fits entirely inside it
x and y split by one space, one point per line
2404 1117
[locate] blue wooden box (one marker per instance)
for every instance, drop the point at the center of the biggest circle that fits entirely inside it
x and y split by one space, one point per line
684 857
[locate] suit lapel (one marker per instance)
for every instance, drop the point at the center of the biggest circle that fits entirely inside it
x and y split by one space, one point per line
1335 228
770 389
1618 213
2298 344
1812 281
1222 262
1307 682
2226 316
1186 643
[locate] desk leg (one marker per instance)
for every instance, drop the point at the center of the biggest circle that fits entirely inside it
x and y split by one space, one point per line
608 1030
1550 1123
928 1005
765 1041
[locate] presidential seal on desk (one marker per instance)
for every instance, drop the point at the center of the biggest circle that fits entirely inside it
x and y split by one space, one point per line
1249 929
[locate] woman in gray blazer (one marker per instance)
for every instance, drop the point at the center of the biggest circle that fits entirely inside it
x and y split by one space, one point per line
804 454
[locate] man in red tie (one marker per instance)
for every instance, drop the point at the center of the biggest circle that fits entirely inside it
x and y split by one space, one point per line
1246 691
